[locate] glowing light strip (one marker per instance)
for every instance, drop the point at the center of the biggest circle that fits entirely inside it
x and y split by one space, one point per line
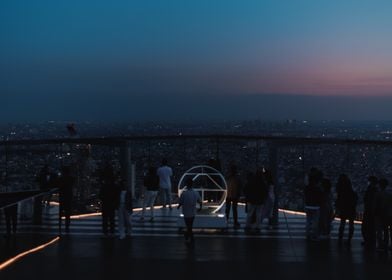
21 255
100 213
304 214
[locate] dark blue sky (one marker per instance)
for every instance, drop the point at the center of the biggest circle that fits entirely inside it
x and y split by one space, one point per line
94 59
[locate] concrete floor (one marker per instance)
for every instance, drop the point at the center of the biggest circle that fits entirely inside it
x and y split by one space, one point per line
157 251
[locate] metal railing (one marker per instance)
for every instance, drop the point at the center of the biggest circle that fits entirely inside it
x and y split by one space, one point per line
289 158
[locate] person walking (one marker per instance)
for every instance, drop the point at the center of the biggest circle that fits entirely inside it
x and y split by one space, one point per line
125 209
188 201
65 183
233 195
346 204
151 187
165 173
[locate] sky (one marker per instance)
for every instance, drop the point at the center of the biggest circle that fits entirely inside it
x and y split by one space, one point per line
173 59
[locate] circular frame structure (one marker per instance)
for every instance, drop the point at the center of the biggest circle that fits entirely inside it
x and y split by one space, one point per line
212 175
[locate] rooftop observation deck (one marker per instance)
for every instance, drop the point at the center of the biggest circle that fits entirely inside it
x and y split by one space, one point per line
157 249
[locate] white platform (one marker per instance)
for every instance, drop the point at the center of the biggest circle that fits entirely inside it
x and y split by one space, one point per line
211 221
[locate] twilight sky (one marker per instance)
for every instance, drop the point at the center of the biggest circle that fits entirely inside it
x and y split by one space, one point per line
143 59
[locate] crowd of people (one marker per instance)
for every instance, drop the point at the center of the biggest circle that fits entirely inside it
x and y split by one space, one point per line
259 195
321 209
321 205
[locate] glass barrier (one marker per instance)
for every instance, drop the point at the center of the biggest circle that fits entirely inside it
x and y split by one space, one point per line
37 215
20 166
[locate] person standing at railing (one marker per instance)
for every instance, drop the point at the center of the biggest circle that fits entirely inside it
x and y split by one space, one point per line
151 187
346 205
368 221
65 183
326 209
388 217
11 219
125 209
45 180
383 211
234 189
255 196
109 195
165 174
312 204
268 207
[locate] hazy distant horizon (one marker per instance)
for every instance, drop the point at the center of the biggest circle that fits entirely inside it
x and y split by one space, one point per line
204 107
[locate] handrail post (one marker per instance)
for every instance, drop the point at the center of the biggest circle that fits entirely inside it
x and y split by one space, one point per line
127 168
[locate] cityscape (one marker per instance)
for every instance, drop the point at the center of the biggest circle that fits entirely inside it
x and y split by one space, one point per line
187 139
20 165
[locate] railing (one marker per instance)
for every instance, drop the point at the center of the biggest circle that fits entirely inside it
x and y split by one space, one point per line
31 215
288 158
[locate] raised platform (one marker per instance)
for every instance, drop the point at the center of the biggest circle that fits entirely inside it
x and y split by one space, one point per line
157 250
206 221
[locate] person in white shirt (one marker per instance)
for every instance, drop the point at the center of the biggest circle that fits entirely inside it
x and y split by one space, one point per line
165 173
188 200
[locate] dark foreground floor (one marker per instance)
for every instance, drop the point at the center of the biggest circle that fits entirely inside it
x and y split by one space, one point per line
210 258
14 245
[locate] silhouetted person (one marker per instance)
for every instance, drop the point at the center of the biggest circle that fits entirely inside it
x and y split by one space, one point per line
151 187
369 220
125 210
44 180
188 201
268 207
326 208
255 196
346 204
71 129
109 196
383 214
388 217
165 173
11 219
233 195
313 196
65 183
